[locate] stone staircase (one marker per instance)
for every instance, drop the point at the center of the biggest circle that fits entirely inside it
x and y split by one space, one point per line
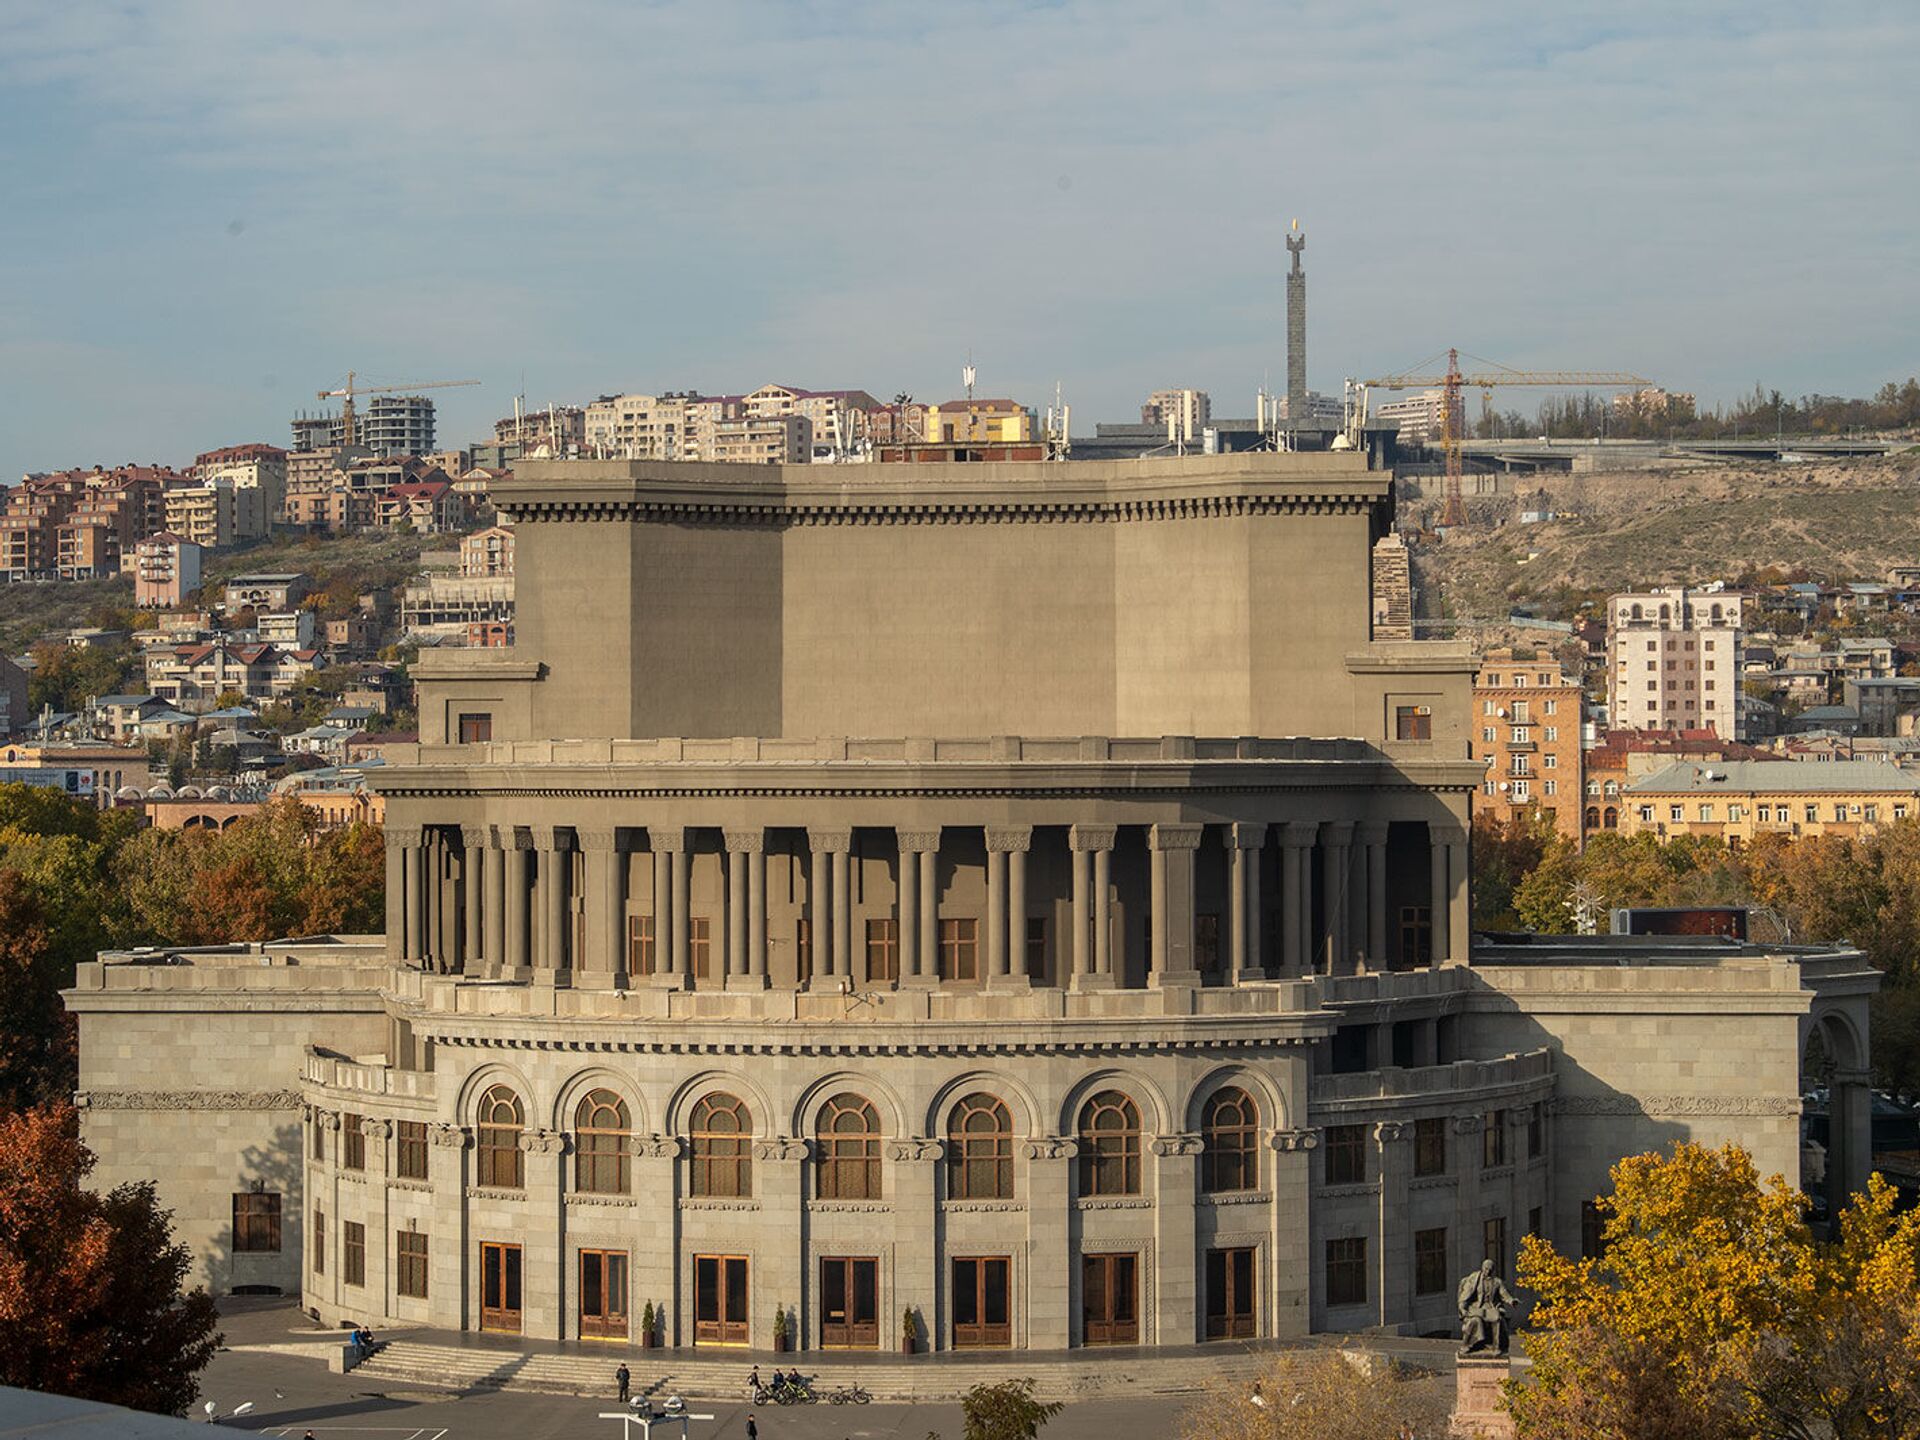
1071 1375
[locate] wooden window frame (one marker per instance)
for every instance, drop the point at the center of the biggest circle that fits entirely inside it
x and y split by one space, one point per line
353 1148
256 1222
720 1155
353 1253
498 1163
883 950
1346 1152
602 1145
960 950
475 727
410 1264
1109 1152
1229 1145
970 1152
410 1150
319 1240
642 954
847 1159
1346 1272
699 946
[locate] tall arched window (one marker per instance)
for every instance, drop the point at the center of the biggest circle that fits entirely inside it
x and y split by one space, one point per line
1230 1143
497 1151
1109 1145
722 1138
848 1132
601 1145
980 1150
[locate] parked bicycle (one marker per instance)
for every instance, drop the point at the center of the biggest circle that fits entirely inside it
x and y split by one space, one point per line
850 1395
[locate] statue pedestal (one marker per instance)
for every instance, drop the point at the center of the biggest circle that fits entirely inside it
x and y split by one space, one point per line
1479 1409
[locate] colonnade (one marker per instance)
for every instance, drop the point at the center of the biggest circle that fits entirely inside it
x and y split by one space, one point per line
550 903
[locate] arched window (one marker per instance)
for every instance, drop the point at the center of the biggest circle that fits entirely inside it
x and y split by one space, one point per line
1230 1143
1612 820
1109 1146
1593 817
722 1137
848 1131
980 1150
1636 612
497 1153
601 1145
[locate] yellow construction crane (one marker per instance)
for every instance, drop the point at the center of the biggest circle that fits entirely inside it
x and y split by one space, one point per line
1452 384
347 394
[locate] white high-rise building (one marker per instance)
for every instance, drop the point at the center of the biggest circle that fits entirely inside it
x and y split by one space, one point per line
1673 661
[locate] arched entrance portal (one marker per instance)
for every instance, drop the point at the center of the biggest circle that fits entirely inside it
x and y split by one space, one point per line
1833 1059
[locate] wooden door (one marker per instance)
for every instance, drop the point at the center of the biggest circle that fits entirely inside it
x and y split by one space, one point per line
500 1287
849 1303
982 1303
603 1294
1230 1291
719 1300
1109 1299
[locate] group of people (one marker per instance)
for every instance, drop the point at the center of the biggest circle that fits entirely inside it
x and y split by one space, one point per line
363 1338
782 1384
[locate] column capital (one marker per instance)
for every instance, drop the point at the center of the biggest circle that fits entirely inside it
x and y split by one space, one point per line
476 837
1091 837
1371 832
407 837
1446 832
666 839
1386 1132
552 837
745 842
1247 834
918 842
916 1148
515 837
543 1142
377 1129
829 842
1307 1139
451 1137
1467 1124
781 1147
1009 839
1174 837
599 842
1336 832
1169 1145
1298 834
1050 1147
657 1147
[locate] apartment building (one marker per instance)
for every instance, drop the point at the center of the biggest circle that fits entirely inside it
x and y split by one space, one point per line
1625 757
840 419
311 478
1738 799
1421 418
14 714
217 513
392 425
487 552
443 606
1527 714
166 570
424 506
963 421
1188 411
760 440
29 526
194 677
261 468
1673 660
103 527
281 590
640 427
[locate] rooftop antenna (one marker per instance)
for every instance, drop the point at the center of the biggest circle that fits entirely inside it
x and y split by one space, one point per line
967 376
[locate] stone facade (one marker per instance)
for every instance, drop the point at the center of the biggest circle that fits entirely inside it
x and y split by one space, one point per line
1022 899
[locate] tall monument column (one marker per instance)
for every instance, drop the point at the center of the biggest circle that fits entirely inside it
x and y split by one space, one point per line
1296 330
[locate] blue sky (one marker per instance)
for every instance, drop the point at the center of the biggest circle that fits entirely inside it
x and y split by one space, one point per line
214 208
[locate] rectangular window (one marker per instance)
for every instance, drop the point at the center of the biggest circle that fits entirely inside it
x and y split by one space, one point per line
1521 735
1839 813
1495 1230
1493 1140
1553 733
1347 1271
1549 707
1552 787
1346 1155
410 1264
1813 813
1646 814
883 951
1533 1221
699 945
319 1242
354 1130
476 729
1706 812
1676 812
1593 1231
640 952
1430 1262
960 949
1872 813
410 1150
1413 722
1430 1146
1206 942
256 1222
1036 948
353 1253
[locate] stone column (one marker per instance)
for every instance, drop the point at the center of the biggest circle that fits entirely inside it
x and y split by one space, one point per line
451 1281
822 844
779 1277
1296 900
1007 908
554 960
914 1173
919 935
1393 1265
473 881
1290 1284
1463 1161
1090 844
493 911
1457 913
680 877
403 893
1106 975
746 909
429 897
1173 847
1440 890
1372 838
518 952
545 1286
843 909
1049 1192
1335 952
669 915
1245 842
1849 1138
604 966
1176 1295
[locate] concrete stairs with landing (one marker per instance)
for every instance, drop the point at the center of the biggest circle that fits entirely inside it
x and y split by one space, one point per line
1071 1375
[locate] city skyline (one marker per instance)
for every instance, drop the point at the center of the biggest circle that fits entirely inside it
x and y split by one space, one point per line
598 199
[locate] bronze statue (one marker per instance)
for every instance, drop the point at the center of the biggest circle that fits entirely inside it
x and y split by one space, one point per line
1484 1303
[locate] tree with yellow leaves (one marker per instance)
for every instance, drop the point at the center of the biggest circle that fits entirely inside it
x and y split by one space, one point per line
1713 1314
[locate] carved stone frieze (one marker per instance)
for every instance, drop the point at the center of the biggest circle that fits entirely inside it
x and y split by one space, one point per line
187 1100
967 1207
1679 1106
834 1207
918 842
1050 1147
1168 1145
1238 1197
706 1202
781 1147
1114 1202
915 1148
618 1202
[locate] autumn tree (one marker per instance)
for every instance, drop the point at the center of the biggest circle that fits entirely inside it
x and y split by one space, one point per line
1319 1396
36 1034
91 1303
1006 1411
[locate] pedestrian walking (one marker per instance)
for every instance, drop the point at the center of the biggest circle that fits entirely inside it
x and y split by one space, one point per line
753 1430
625 1377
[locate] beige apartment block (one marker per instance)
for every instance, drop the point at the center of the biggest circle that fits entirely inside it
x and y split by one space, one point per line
961 894
1739 799
1527 715
1673 661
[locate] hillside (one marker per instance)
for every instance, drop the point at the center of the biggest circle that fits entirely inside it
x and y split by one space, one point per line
1849 520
